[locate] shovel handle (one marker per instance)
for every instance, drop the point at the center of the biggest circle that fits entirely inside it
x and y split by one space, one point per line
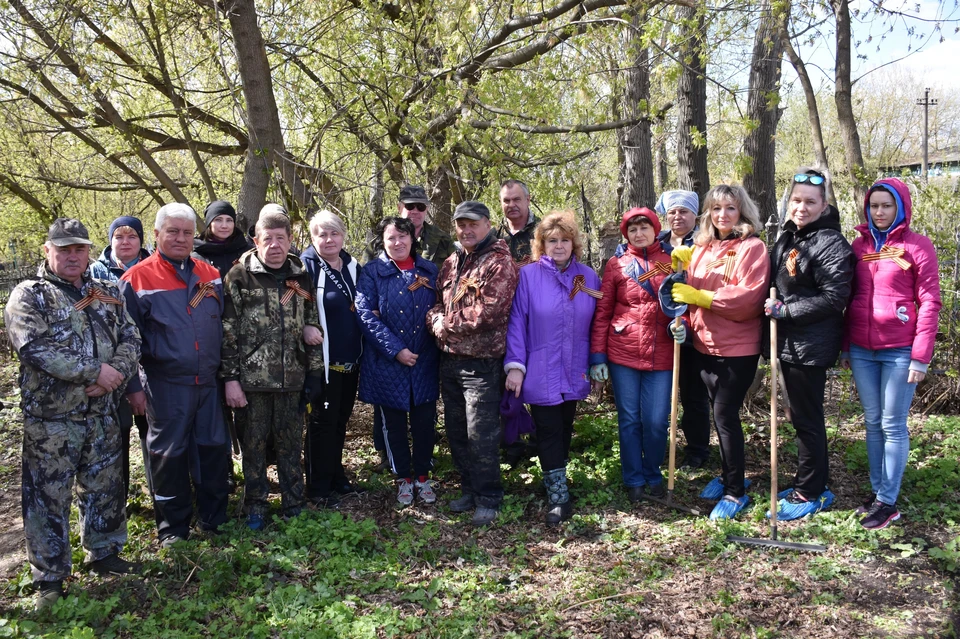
674 400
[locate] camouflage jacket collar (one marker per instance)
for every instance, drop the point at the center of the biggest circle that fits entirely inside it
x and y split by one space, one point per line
252 263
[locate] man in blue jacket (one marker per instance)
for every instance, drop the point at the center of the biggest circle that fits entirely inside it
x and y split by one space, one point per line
176 302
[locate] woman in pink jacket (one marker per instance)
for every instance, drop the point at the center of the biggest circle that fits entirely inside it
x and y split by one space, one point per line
890 328
726 285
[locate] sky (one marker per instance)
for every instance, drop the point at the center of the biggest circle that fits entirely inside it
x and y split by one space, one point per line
935 62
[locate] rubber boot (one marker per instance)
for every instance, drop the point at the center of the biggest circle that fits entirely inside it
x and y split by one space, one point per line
558 497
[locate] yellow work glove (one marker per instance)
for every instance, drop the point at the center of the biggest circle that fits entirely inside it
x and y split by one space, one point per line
680 257
689 295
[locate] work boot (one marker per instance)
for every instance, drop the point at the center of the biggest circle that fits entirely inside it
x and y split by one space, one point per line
113 565
48 593
462 504
384 465
558 496
483 516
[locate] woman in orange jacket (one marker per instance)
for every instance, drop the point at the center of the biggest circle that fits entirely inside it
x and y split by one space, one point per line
727 280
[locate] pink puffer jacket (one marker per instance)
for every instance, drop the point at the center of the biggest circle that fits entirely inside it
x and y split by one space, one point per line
896 296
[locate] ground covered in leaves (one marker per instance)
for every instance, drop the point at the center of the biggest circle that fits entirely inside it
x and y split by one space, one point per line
374 569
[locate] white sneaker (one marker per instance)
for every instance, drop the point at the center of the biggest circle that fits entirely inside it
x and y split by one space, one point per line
405 492
425 491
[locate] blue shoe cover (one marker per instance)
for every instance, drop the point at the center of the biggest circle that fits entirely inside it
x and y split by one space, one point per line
256 522
787 511
729 506
714 490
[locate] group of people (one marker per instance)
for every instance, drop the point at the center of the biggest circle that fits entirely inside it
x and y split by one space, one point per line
217 339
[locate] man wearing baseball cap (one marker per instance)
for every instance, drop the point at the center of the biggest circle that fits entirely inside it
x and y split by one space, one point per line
413 204
476 286
78 347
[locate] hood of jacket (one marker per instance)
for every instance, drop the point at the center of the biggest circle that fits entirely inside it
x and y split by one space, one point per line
901 195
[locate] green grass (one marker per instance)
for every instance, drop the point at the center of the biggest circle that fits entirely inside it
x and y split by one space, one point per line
375 570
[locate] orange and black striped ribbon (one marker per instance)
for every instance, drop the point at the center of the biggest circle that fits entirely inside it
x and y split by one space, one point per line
580 284
204 290
889 253
294 288
728 261
95 295
420 282
792 262
658 267
466 283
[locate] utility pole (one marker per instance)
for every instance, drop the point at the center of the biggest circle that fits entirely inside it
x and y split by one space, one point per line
926 102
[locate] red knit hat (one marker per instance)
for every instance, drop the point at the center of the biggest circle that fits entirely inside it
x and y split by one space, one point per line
639 212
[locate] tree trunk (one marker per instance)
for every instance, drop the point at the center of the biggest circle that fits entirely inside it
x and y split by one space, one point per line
764 111
376 199
692 171
635 141
441 198
843 96
267 150
813 110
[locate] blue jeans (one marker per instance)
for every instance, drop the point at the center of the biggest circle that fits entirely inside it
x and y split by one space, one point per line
881 378
643 413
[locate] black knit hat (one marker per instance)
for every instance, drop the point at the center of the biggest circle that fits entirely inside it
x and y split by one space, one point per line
218 207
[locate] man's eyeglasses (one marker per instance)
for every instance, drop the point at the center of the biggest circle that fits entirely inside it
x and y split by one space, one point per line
816 180
420 206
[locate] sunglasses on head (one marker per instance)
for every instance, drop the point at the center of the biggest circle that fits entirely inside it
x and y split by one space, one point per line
816 180
420 206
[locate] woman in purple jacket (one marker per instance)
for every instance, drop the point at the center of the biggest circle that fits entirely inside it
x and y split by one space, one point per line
890 328
548 342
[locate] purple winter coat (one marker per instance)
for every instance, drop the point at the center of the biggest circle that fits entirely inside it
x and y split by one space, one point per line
548 336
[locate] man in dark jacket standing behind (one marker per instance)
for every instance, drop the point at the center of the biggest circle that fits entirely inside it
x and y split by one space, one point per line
476 286
176 302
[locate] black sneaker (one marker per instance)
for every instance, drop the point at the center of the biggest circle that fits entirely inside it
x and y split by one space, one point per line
113 565
48 593
865 507
880 516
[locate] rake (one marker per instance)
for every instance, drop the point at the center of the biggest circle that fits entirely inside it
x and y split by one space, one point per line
773 542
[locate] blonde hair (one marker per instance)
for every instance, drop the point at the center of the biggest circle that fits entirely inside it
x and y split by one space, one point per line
565 224
327 220
749 223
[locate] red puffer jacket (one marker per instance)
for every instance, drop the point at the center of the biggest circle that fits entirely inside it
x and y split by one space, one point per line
628 327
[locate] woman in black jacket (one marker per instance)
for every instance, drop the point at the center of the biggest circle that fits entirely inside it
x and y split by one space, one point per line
812 267
222 242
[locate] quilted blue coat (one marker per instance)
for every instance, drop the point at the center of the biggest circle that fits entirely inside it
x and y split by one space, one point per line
393 318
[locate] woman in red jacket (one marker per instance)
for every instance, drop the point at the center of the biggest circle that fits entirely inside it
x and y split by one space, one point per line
726 285
631 343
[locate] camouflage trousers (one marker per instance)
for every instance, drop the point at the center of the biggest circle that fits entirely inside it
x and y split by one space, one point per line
471 390
276 414
55 455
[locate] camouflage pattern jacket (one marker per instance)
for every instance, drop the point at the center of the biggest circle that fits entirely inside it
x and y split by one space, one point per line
519 243
61 348
263 320
476 293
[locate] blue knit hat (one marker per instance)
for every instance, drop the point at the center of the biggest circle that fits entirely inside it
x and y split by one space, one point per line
126 220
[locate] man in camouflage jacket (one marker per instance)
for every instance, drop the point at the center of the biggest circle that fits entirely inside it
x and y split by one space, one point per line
265 361
519 224
78 347
476 285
